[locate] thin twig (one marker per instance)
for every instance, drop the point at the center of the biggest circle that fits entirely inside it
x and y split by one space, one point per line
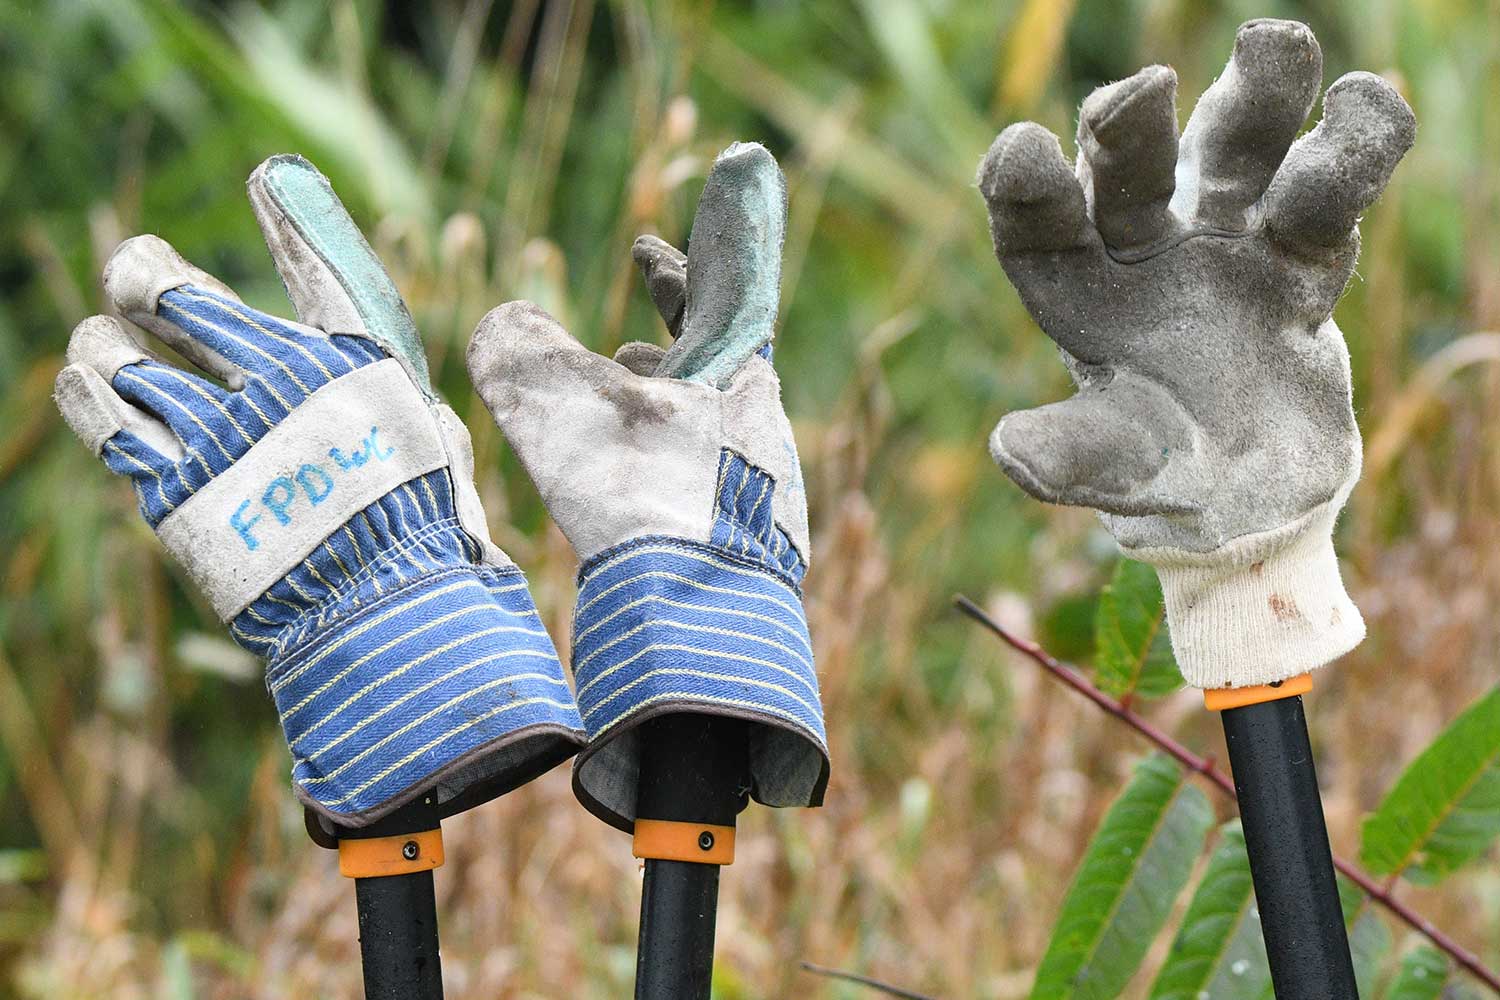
1074 679
874 984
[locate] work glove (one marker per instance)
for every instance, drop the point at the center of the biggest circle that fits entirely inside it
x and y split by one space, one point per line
322 498
1190 285
675 477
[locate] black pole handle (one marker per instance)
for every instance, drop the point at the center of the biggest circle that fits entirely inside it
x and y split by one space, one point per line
398 933
694 769
398 938
1290 861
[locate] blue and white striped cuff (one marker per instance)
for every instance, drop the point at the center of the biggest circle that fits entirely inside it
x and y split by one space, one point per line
670 625
450 684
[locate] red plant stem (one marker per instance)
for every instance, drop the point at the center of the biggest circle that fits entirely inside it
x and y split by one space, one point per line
1205 766
874 984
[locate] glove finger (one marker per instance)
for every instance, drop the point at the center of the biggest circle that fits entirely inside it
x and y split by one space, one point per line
1100 449
1034 200
733 268
144 268
131 442
198 413
153 287
1338 169
537 379
335 281
102 345
1241 128
642 359
1127 137
665 269
97 349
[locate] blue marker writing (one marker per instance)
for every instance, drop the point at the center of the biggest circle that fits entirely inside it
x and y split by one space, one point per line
369 448
279 504
304 479
238 523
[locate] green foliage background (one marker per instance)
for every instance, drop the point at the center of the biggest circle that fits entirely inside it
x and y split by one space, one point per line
148 845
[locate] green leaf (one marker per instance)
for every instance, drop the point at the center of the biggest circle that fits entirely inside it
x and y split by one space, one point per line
1423 974
1444 811
1132 651
1218 953
1136 865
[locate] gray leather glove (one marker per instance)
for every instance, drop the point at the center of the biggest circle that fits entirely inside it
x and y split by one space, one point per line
1190 285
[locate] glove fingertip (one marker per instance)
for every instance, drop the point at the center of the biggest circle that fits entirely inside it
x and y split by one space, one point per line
747 163
487 343
1022 164
665 269
1115 111
650 251
510 340
102 344
511 320
1278 66
145 267
1034 199
1270 44
1370 103
83 398
1010 450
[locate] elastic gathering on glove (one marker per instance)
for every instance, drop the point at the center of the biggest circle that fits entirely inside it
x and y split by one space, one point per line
409 533
743 524
669 624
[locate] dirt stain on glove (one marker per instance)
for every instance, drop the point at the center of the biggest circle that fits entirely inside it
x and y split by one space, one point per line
1284 608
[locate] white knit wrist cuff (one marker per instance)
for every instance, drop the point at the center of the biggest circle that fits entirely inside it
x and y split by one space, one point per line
1261 609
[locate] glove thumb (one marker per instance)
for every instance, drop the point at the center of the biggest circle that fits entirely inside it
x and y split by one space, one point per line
733 268
1105 448
335 281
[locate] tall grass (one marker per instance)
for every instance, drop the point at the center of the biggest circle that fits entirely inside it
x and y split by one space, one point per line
149 845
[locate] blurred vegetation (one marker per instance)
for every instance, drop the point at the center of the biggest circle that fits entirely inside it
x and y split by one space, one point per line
149 845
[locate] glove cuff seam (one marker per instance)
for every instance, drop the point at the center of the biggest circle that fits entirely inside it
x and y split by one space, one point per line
599 558
313 623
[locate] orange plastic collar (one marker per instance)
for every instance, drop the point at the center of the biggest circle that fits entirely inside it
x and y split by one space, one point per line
1221 698
668 840
403 854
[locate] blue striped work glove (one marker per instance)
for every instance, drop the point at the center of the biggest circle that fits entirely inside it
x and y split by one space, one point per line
675 477
322 498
